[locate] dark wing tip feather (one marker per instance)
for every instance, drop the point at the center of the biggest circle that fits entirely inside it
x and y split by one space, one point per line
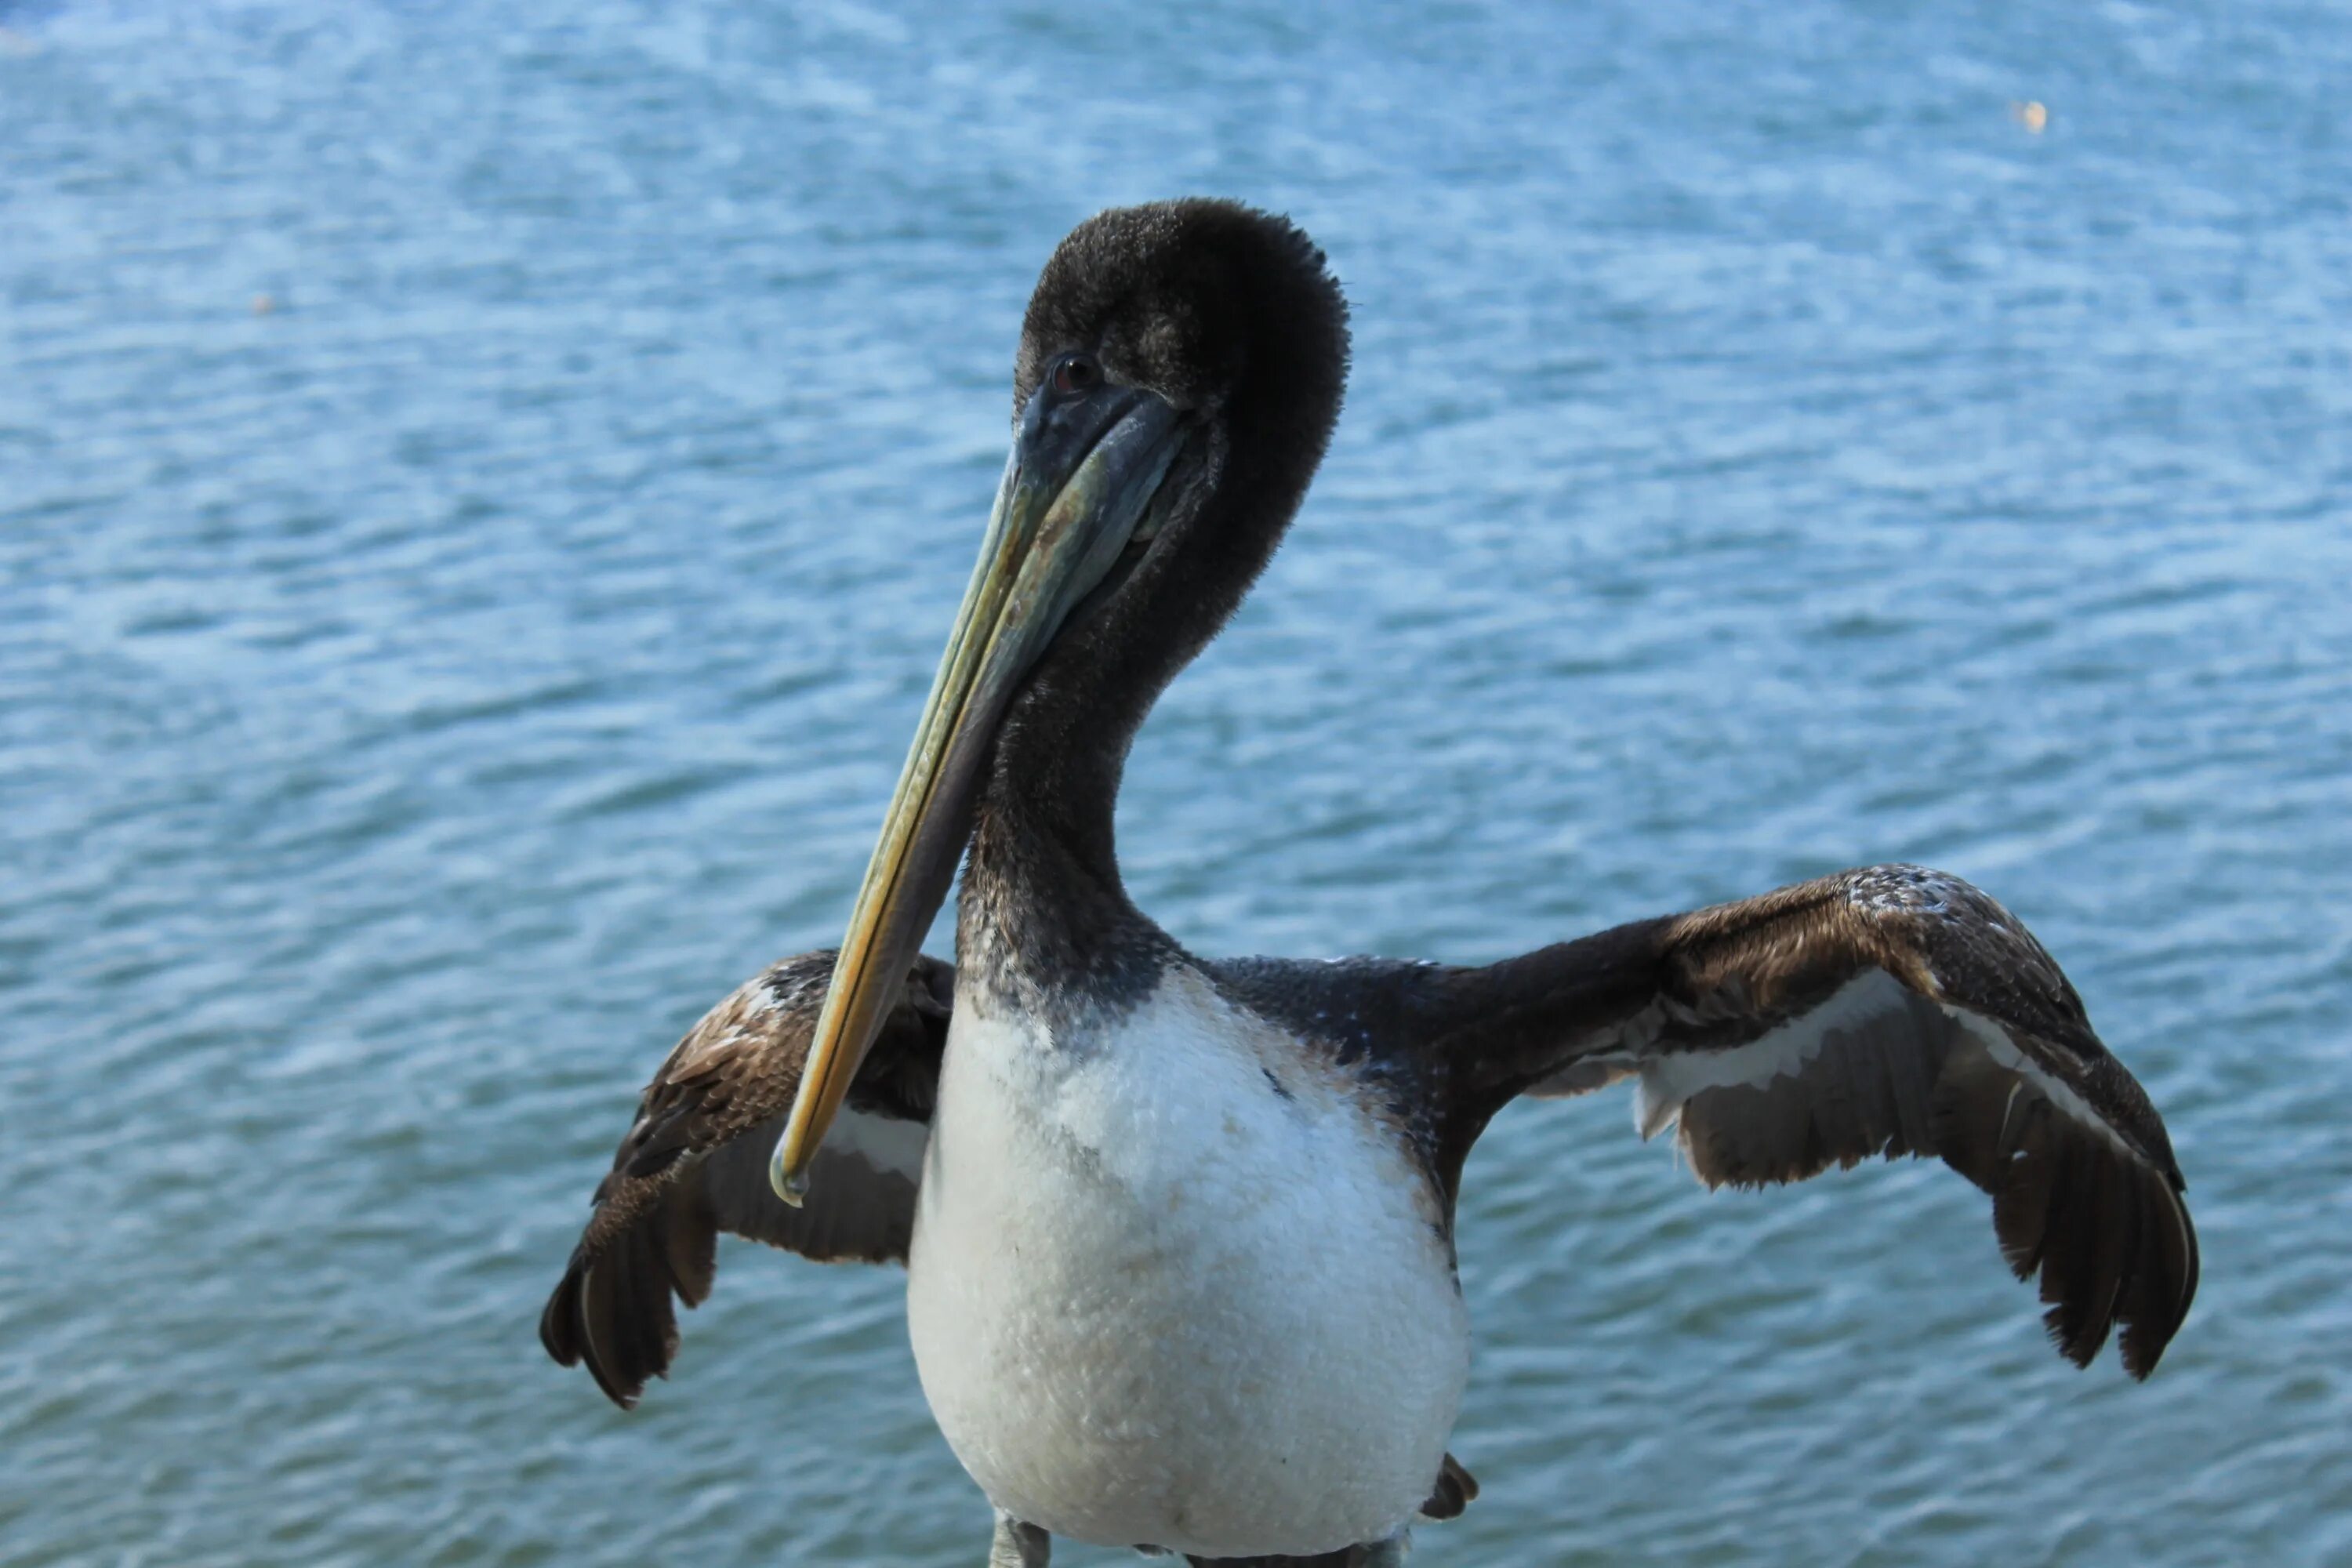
2096 1210
2112 1240
560 1329
612 1307
2094 1205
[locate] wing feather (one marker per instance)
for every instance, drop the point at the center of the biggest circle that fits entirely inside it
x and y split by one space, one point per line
694 1163
1883 1012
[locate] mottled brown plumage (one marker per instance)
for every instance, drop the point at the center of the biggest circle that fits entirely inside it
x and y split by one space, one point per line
1970 1046
694 1163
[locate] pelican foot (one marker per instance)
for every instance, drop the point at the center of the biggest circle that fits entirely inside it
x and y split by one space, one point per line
1389 1553
1018 1545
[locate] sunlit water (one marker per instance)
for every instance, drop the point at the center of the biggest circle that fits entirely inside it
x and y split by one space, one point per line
481 496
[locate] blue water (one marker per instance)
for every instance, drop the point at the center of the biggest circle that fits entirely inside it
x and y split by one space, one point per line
480 494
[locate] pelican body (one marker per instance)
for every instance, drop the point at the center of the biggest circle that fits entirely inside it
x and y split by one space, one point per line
1137 1317
1179 1231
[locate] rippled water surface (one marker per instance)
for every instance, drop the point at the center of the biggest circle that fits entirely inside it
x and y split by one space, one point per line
480 494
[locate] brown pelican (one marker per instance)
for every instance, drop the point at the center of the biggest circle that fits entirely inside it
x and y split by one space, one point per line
1179 1231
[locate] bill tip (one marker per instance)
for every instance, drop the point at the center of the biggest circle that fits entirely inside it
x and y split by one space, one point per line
791 1185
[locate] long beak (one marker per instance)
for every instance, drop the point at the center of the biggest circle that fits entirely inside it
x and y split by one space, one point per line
1077 487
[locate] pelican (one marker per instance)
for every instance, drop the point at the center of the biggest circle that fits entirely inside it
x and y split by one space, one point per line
1179 1231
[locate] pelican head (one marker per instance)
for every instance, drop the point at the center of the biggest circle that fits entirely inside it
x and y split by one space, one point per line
1181 369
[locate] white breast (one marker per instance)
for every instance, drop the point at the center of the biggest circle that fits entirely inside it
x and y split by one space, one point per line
1154 1301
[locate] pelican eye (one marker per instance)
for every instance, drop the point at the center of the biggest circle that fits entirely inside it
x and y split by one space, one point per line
1076 374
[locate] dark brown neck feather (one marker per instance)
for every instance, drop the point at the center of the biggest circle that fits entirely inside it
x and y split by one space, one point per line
1044 864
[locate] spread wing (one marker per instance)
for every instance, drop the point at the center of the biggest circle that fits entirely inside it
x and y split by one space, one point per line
694 1163
1880 1012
